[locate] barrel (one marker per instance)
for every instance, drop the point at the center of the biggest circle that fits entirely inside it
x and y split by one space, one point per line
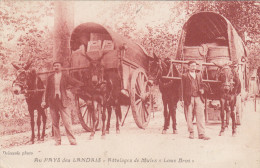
216 54
193 53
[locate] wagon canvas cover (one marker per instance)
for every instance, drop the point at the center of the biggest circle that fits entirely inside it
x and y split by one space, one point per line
134 52
211 26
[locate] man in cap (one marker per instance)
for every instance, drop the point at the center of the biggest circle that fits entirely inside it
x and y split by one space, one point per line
193 101
57 99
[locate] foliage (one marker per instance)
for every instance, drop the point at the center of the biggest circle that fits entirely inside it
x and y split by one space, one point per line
26 32
24 35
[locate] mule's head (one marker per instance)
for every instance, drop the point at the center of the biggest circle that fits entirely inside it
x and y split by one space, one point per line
162 67
226 77
155 66
159 67
20 84
95 71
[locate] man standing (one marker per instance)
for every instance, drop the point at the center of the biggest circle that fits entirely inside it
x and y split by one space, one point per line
192 95
57 99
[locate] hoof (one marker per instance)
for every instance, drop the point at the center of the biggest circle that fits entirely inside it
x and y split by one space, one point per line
91 136
103 136
117 131
175 132
234 133
163 131
32 140
221 133
107 131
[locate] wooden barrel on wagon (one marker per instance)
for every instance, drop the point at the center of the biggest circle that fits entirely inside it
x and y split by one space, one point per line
221 43
124 59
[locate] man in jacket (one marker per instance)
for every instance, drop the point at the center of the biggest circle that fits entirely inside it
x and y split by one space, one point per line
193 101
56 98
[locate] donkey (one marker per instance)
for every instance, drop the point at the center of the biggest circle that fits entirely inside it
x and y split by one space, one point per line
230 87
170 89
28 83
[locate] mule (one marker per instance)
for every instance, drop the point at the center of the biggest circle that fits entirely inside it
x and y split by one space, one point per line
170 89
103 89
230 87
28 83
114 86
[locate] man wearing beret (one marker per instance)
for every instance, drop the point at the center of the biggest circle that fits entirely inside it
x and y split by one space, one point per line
193 101
57 99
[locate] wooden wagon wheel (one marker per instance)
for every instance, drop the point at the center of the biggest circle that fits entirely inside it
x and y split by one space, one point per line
84 115
140 98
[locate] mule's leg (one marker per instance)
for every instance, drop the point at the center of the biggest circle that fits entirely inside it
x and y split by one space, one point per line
222 116
93 115
38 123
233 117
172 112
118 112
227 114
166 116
109 111
31 112
103 120
44 119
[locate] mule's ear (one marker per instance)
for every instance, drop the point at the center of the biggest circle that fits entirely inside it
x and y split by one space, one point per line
33 71
15 66
90 59
155 56
28 64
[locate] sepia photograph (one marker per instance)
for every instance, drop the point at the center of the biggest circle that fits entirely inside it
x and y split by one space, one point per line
123 84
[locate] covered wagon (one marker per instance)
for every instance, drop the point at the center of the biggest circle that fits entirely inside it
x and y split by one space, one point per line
210 39
127 60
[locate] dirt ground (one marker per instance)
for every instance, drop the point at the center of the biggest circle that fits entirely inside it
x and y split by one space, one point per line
135 147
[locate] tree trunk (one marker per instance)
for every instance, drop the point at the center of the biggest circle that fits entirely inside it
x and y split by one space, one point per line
63 27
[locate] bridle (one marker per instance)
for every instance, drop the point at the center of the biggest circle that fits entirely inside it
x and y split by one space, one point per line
227 84
161 67
21 81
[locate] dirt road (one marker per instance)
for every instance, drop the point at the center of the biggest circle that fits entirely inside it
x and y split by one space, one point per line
138 148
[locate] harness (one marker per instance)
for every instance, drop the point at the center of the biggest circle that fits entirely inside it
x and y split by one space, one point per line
24 85
230 84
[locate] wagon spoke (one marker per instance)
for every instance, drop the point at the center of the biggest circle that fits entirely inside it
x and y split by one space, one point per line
139 108
143 113
143 82
89 118
137 101
137 88
145 87
140 83
83 105
138 95
85 112
146 109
